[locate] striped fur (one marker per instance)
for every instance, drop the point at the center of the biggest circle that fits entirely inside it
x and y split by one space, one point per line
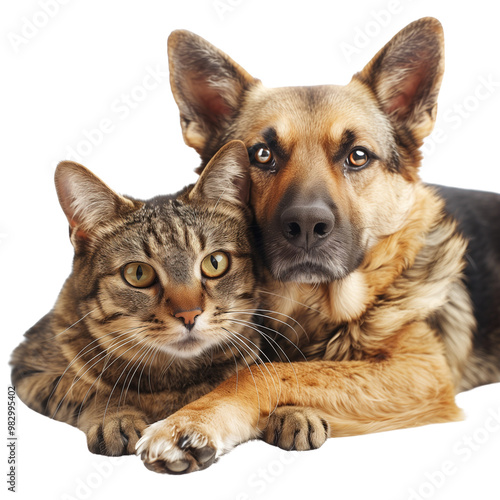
111 359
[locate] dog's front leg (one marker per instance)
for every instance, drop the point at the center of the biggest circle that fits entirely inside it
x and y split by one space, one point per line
411 387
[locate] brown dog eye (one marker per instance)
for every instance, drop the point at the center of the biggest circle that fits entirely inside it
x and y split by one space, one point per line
358 158
139 275
263 155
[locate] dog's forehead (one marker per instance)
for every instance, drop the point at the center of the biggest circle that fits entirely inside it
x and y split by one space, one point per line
326 110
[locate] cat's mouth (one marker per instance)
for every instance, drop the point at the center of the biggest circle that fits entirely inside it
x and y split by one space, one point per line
188 344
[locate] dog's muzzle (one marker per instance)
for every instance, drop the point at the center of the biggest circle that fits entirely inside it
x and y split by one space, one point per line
307 225
309 240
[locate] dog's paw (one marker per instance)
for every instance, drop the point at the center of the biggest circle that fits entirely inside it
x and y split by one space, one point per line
296 428
177 445
117 434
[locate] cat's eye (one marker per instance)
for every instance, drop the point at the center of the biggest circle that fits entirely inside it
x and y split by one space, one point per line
215 265
139 274
263 155
357 159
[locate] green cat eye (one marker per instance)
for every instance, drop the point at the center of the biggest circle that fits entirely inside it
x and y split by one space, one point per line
139 275
215 265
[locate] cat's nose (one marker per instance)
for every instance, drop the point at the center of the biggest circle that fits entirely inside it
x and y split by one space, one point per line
189 317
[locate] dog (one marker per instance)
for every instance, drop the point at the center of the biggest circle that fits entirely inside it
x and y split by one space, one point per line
389 288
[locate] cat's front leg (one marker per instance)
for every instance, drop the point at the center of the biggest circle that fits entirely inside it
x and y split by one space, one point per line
194 437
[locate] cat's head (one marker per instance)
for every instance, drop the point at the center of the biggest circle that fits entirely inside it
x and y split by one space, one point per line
175 272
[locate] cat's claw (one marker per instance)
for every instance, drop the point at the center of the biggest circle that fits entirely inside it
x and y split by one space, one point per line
175 449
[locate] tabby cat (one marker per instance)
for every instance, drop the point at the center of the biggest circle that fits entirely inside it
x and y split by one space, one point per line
157 310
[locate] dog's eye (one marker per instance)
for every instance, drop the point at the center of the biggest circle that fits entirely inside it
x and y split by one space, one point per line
357 159
263 155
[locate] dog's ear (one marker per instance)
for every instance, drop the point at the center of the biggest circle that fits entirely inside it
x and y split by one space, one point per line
226 178
406 74
208 87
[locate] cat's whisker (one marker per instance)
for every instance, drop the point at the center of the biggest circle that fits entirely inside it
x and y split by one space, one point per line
270 341
243 339
69 327
145 349
237 369
242 342
235 361
76 378
118 379
277 389
157 351
165 370
103 353
248 366
153 349
277 332
87 393
98 380
268 360
236 366
256 312
268 338
82 353
321 313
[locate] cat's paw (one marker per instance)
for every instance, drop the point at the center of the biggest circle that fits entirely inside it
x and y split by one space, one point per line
296 428
177 445
117 434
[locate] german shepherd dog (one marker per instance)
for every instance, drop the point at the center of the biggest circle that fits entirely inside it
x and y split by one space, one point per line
396 284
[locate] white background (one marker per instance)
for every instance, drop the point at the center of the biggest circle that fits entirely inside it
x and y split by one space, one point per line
64 73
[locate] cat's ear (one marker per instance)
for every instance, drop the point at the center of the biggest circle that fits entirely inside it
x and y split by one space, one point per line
406 75
208 87
87 202
226 178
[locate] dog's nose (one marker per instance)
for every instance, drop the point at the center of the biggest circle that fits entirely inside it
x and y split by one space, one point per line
307 226
189 317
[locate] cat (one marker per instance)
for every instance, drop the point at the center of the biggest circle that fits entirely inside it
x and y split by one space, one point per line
157 310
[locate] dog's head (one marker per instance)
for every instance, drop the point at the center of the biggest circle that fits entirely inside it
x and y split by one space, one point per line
333 167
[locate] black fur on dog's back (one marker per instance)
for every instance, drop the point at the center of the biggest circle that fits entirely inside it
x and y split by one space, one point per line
477 214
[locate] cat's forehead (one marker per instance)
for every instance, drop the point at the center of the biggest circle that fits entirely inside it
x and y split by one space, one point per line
175 234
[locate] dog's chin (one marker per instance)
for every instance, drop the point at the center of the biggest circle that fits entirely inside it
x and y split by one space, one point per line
312 274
